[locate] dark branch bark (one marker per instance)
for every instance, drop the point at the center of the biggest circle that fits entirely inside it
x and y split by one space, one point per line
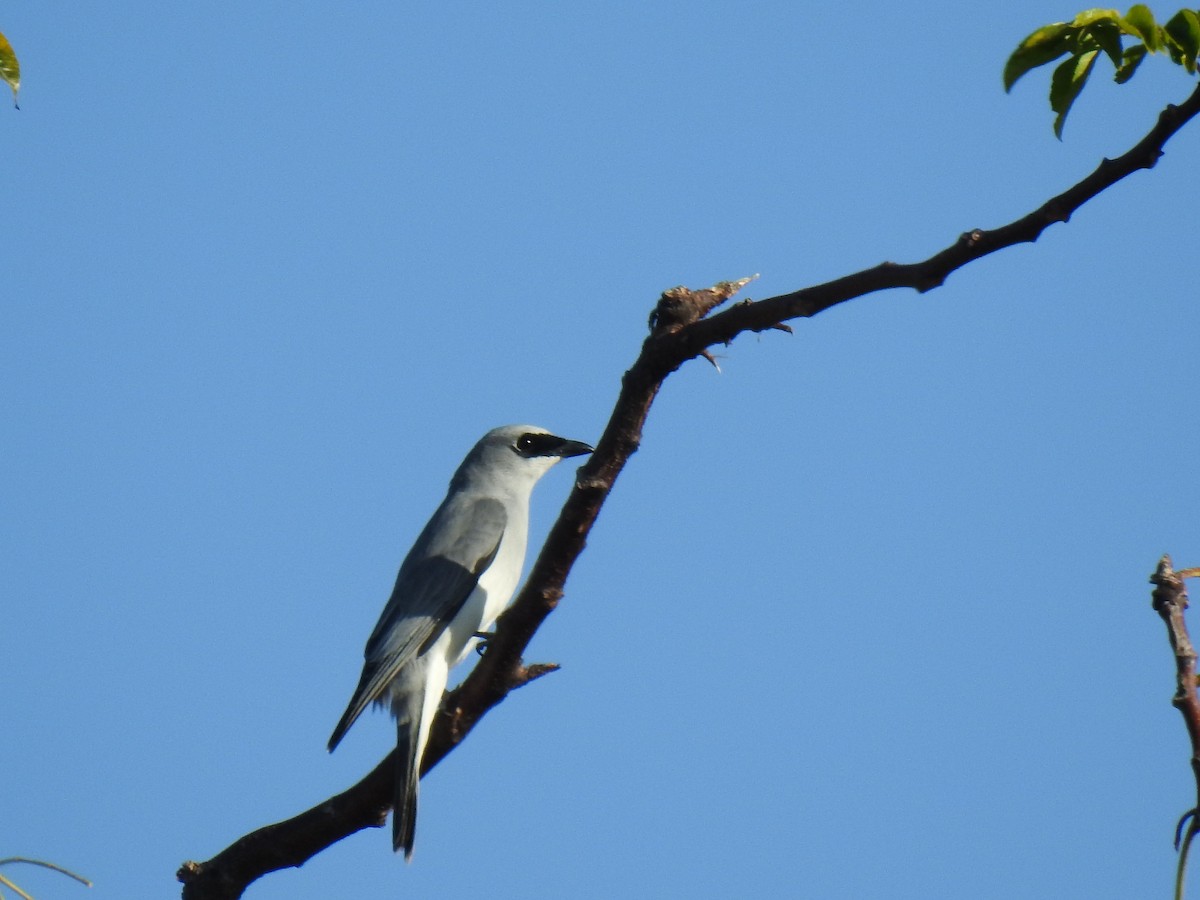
680 329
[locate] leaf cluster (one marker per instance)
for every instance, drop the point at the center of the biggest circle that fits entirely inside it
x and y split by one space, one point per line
1125 39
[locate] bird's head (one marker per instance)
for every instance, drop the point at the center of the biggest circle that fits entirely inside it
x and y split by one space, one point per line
517 455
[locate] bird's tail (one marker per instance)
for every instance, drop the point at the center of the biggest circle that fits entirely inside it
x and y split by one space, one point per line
408 774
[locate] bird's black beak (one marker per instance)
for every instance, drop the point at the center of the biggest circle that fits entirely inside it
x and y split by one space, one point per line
574 448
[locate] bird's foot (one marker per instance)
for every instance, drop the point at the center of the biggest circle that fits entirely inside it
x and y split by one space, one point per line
484 637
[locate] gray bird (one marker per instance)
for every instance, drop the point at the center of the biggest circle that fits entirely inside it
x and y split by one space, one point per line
455 581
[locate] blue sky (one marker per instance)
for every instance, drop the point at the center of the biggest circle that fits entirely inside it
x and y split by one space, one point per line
867 615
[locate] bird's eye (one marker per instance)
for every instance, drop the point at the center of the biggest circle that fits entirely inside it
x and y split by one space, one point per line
527 444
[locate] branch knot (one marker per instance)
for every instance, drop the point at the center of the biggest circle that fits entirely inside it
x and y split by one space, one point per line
681 306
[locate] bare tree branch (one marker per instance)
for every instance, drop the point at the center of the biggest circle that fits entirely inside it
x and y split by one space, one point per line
1169 599
680 329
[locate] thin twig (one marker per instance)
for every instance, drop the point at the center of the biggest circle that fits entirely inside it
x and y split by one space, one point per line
8 860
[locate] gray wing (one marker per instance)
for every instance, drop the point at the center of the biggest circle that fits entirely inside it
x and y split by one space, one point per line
434 582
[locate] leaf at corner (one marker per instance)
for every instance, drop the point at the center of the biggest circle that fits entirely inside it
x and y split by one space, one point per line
1132 59
10 69
1046 44
1066 83
1183 29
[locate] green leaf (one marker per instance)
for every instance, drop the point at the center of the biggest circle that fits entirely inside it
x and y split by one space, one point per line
1089 16
1184 31
1139 22
1066 83
1045 45
1105 34
10 69
1132 59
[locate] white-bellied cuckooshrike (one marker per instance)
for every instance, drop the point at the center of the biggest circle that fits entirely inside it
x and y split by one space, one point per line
455 581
